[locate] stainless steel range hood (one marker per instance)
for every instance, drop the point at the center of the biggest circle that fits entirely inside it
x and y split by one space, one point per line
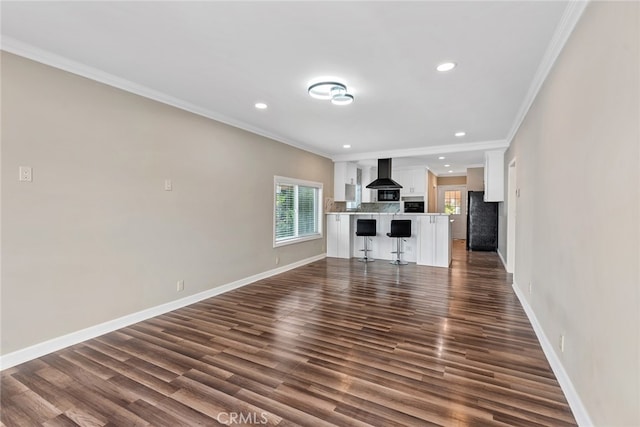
384 181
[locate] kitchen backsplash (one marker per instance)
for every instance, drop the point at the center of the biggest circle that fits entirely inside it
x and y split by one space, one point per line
331 206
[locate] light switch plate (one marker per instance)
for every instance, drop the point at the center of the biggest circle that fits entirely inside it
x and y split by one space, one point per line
168 185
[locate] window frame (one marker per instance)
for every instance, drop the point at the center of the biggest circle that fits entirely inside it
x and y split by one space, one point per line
281 180
457 206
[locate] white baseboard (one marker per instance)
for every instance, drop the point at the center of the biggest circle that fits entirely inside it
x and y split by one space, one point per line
504 263
577 407
38 350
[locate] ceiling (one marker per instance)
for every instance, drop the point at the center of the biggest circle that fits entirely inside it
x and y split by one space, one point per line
219 58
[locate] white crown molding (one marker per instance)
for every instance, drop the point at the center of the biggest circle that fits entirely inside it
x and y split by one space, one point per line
409 167
28 51
570 17
575 403
568 21
424 151
38 350
450 175
565 27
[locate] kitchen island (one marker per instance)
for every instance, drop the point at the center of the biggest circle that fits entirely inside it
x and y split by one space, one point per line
429 244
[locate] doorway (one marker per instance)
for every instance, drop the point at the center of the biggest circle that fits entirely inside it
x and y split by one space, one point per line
452 199
512 198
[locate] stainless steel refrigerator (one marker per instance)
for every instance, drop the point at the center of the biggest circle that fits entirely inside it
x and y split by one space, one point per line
482 223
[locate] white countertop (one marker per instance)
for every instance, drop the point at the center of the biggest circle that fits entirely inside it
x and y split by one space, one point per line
385 213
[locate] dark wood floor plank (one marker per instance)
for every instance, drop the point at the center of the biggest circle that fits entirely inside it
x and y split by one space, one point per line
9 385
335 342
283 410
110 406
51 392
38 410
63 420
186 413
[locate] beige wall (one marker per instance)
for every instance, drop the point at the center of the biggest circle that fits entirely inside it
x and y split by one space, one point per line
475 179
432 184
578 215
94 236
452 180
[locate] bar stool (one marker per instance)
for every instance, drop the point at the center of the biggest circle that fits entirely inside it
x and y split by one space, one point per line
367 229
400 229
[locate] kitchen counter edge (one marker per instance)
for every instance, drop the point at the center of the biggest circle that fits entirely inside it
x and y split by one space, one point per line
386 213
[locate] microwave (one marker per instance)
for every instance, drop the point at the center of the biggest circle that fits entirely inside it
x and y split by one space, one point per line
388 195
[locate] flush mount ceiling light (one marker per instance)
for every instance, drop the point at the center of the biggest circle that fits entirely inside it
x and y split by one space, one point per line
261 105
446 66
334 91
323 90
339 96
460 134
346 146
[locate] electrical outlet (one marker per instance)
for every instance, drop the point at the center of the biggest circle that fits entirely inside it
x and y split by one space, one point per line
561 343
277 260
25 174
530 287
180 286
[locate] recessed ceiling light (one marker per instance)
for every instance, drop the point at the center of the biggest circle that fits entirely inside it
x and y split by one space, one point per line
446 166
460 134
446 66
441 158
261 105
450 171
346 146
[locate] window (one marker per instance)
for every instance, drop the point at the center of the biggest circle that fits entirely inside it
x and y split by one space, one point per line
297 211
452 203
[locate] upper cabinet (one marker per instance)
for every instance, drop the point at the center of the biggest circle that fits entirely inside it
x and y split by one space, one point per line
368 175
418 181
413 181
494 176
344 181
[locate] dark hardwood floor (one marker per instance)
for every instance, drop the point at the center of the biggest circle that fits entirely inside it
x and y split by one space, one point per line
335 342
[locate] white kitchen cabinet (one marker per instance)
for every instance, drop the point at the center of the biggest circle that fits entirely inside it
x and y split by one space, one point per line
429 244
494 176
434 246
339 178
418 181
401 176
413 181
344 177
339 235
373 192
368 195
